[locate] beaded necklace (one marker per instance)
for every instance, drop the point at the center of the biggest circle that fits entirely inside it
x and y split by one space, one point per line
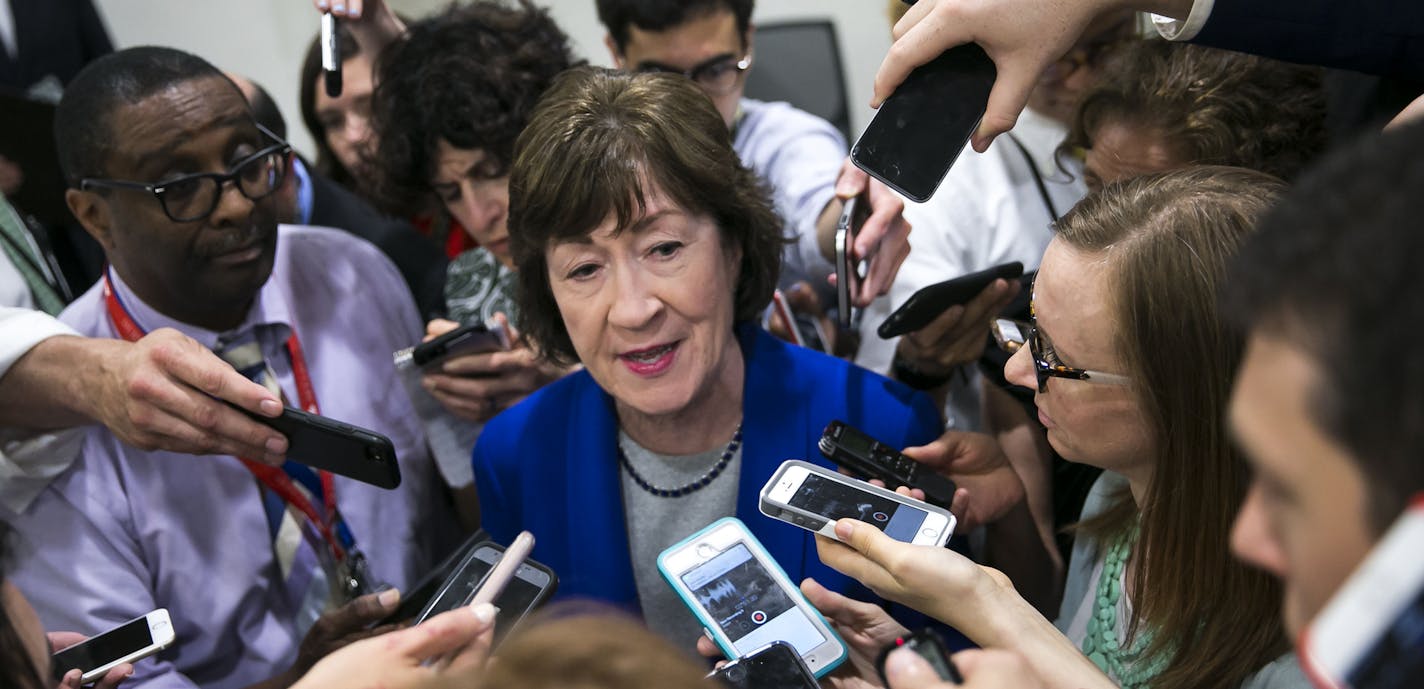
695 485
1101 643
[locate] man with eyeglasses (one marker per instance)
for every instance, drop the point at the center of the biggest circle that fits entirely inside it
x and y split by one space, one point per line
801 156
263 569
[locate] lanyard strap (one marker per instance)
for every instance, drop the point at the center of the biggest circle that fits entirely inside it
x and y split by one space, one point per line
274 478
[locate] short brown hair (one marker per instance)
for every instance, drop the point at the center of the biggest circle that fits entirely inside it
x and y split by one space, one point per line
593 144
1166 240
605 650
1211 106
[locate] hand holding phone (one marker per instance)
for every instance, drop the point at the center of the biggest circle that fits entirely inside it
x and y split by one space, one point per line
466 339
126 643
813 498
490 573
925 305
337 447
919 130
848 275
744 599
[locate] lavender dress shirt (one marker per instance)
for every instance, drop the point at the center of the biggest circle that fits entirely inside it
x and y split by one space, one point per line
800 156
125 531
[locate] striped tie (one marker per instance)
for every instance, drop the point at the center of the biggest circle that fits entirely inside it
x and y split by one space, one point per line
303 559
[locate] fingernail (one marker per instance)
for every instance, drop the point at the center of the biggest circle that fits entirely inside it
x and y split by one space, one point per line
388 598
321 4
484 612
845 528
901 662
428 384
270 407
339 7
276 446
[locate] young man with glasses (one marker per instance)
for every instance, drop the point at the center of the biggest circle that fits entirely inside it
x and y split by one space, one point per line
174 178
801 156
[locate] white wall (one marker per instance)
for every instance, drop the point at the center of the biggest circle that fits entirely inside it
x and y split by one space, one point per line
266 39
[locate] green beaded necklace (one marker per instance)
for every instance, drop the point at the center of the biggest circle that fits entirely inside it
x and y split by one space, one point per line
1101 643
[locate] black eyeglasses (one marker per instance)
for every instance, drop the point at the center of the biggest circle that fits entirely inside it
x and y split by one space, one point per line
193 197
717 76
1013 335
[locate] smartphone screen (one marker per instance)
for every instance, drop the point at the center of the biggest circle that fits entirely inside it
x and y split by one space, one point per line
105 648
748 605
923 126
775 667
835 500
528 587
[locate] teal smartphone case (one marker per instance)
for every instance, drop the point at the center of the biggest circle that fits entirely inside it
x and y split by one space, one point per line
710 625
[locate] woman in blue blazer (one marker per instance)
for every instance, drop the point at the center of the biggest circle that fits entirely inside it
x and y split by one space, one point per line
645 251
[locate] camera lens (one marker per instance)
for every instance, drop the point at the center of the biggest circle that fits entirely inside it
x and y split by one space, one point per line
375 454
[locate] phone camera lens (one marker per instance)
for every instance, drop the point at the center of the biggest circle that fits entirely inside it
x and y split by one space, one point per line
375 454
736 673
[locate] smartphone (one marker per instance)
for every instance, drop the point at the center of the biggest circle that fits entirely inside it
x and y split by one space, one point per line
926 644
416 597
813 498
744 599
919 131
340 448
863 455
773 666
126 643
532 584
848 276
331 55
929 302
466 339
1371 633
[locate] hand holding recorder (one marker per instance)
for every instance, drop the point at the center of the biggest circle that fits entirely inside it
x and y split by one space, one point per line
988 486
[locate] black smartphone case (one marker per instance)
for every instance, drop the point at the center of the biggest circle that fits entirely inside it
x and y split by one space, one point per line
929 302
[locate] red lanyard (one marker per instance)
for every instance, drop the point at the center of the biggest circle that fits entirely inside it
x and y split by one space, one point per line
272 477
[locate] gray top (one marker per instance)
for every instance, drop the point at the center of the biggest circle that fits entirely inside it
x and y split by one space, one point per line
1085 567
654 523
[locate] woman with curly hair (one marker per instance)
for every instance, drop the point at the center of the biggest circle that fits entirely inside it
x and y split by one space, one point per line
453 91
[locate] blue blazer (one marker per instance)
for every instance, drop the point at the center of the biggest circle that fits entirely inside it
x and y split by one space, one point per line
549 464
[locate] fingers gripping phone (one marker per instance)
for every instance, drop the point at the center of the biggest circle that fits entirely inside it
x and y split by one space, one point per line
813 498
929 302
774 666
921 128
744 599
861 454
466 339
126 643
848 277
340 448
1371 633
527 584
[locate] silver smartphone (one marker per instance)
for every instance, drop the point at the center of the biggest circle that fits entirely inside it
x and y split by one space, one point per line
814 497
744 599
1371 633
133 640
